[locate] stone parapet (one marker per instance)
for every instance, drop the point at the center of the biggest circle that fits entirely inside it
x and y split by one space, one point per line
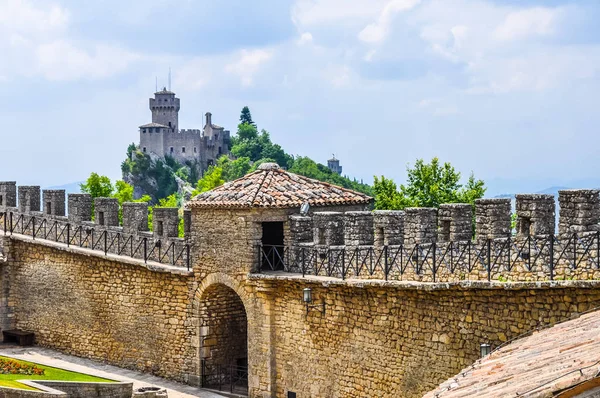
328 228
29 198
54 202
492 218
420 225
388 227
135 217
358 228
106 211
579 210
535 214
455 222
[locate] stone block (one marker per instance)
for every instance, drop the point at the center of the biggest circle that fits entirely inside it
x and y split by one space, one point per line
80 207
29 198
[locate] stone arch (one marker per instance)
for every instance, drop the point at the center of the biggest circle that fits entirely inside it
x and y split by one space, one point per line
222 307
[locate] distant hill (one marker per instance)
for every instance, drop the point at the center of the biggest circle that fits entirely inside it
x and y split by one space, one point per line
548 191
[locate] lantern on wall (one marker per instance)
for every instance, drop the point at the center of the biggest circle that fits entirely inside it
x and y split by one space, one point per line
307 298
485 349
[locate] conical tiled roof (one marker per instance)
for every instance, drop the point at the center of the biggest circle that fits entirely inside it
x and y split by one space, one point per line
270 186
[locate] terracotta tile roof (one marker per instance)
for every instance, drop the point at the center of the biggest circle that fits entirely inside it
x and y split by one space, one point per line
543 364
271 186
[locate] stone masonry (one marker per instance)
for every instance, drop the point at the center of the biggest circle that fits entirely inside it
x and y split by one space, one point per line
492 218
106 211
328 228
54 202
135 217
535 214
8 194
29 198
455 222
358 228
579 210
420 225
80 207
388 227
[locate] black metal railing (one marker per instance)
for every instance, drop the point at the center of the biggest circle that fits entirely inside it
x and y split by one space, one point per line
528 258
173 252
232 378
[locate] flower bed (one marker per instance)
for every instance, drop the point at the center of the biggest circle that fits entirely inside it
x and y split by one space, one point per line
10 366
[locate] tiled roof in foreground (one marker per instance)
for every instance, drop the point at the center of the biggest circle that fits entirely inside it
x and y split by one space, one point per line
270 186
544 364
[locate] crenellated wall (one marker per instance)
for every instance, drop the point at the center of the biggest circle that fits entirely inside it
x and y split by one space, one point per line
105 233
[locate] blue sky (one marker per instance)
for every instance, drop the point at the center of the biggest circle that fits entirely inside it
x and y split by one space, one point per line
507 89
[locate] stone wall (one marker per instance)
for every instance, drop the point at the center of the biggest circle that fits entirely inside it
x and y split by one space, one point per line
89 306
376 338
387 340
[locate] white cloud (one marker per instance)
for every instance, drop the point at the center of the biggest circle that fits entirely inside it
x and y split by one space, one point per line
248 63
61 60
520 24
305 38
378 31
35 41
321 12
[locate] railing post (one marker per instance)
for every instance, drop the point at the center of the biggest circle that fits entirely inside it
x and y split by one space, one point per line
33 222
434 266
145 250
11 223
416 249
105 242
303 261
489 258
68 234
187 255
386 270
574 250
551 257
5 223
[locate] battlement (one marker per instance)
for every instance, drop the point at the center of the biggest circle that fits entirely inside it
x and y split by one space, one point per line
428 244
190 131
106 233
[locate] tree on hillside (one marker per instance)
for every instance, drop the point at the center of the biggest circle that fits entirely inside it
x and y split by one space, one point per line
428 185
246 117
211 179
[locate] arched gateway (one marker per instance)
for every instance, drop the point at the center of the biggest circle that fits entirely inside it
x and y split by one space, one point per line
223 340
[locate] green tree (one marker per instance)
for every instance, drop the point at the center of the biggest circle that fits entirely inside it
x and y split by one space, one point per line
97 186
246 117
234 169
428 185
211 179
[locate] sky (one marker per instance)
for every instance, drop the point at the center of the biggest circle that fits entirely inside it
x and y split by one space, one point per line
506 89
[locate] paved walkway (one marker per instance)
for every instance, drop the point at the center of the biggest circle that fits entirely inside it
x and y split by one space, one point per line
49 357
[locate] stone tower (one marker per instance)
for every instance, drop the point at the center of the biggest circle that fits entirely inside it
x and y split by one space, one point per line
165 109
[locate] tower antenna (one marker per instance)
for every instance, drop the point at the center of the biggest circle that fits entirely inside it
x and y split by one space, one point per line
169 78
156 85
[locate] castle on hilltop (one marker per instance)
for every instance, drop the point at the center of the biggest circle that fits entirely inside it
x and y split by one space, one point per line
164 138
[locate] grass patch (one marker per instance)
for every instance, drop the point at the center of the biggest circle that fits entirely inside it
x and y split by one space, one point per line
50 373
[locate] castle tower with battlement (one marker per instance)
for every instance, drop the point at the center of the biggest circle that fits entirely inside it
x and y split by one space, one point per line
163 137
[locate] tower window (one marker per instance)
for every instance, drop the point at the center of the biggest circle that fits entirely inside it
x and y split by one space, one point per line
144 149
219 150
144 131
195 150
171 149
183 150
169 124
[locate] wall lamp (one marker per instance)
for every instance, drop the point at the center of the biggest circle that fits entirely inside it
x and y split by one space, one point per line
308 299
485 349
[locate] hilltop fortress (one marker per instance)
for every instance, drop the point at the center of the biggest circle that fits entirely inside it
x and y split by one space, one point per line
164 138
